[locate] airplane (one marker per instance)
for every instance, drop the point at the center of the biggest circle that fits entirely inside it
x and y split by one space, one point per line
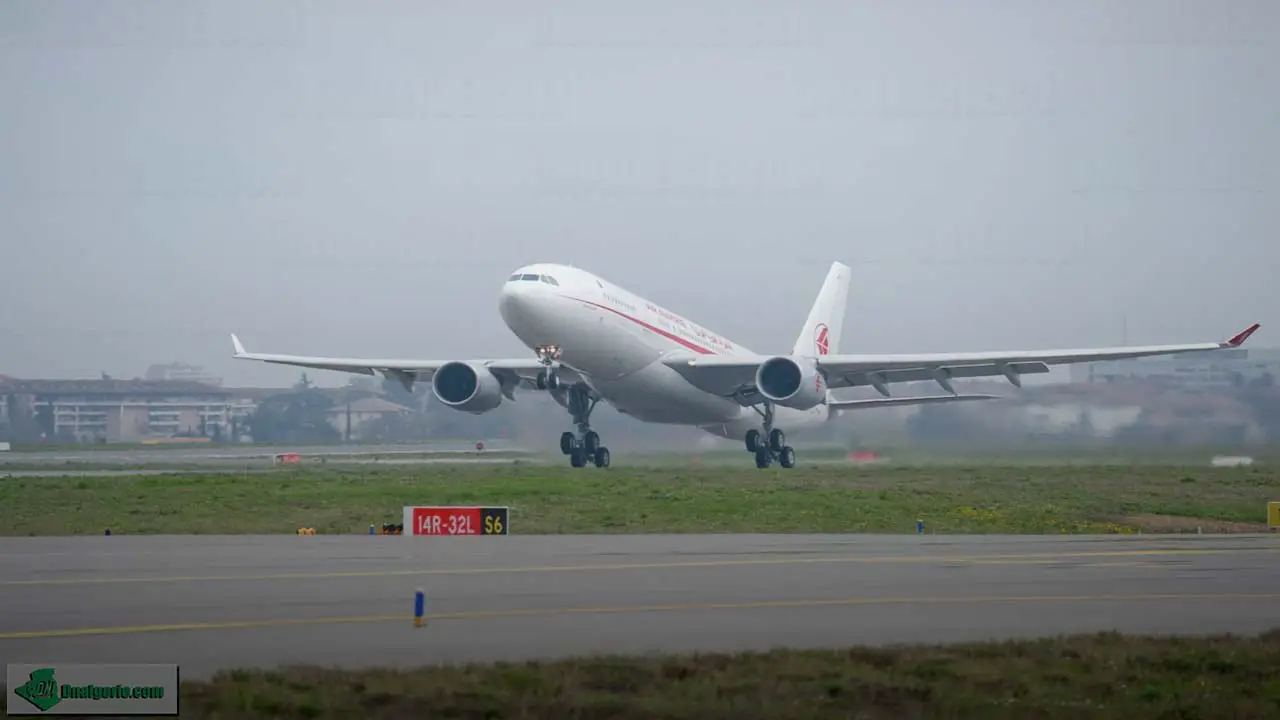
593 341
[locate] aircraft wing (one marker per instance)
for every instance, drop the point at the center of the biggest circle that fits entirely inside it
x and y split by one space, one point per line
735 376
512 372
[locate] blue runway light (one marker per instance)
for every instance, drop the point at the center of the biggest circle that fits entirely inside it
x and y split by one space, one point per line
919 527
419 608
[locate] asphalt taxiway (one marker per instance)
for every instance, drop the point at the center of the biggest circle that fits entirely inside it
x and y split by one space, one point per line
216 602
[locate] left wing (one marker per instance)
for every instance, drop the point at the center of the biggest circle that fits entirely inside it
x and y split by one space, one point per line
512 372
735 376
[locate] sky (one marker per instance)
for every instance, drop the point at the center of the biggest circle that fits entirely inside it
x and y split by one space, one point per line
359 179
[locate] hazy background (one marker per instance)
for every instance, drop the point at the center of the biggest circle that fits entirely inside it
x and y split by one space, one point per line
359 178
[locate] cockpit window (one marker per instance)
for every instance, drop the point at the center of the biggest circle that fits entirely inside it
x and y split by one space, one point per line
549 280
514 277
533 277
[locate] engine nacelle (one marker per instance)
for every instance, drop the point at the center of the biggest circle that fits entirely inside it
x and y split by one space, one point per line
467 387
791 382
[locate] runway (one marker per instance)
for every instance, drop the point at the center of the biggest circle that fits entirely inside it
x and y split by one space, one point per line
217 602
77 462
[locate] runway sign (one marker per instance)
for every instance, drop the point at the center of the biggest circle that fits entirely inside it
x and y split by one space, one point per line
453 520
1273 515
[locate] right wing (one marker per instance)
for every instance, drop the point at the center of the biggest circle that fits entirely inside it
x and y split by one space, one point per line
731 376
512 372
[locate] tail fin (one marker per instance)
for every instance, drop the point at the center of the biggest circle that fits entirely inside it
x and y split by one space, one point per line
821 333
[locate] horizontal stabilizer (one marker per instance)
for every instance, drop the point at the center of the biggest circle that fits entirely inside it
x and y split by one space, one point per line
890 402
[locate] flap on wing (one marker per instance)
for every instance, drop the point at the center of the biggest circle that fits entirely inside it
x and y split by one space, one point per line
891 402
838 379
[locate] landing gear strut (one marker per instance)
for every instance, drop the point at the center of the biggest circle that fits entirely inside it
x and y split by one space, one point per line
775 448
584 446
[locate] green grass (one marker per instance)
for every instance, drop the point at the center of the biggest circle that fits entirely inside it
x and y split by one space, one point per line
1094 676
553 499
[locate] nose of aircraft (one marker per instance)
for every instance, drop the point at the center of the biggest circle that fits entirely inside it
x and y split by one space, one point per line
509 301
517 299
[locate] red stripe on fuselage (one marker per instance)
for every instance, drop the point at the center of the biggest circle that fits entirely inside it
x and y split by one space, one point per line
670 336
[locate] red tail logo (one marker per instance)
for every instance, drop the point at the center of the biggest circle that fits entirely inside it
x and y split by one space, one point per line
820 338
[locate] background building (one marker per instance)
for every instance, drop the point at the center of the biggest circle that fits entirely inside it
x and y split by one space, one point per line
113 410
182 371
1210 370
354 419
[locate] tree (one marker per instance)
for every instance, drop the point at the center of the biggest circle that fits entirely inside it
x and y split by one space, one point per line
297 416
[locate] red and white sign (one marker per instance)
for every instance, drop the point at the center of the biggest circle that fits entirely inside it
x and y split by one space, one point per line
452 520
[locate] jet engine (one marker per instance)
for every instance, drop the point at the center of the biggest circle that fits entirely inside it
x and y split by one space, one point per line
791 382
467 387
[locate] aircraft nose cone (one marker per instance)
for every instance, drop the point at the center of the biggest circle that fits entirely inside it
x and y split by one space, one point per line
513 301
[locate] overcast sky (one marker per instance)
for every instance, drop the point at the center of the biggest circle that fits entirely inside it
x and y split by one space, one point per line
358 178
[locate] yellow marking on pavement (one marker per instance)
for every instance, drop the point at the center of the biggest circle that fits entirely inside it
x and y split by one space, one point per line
632 609
1032 558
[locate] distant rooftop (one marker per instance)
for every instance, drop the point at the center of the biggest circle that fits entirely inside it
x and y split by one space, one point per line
107 387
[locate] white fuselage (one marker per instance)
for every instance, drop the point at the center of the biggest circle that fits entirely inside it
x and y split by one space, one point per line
617 341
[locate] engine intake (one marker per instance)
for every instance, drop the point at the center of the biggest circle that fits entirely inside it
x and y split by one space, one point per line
791 382
467 387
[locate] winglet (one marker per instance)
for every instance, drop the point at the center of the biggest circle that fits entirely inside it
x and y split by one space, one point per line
1238 340
239 346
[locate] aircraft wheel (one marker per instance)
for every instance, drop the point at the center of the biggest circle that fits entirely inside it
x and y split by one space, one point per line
567 442
578 457
753 440
777 440
787 458
602 457
764 458
591 442
547 381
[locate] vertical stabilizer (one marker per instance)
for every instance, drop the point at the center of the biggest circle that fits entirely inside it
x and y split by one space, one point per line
821 332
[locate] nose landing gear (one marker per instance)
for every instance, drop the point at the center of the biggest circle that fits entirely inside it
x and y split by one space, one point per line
549 356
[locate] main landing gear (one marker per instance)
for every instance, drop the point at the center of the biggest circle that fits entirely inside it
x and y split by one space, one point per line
583 446
772 445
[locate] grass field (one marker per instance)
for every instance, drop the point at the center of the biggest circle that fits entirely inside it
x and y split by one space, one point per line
553 499
1095 676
